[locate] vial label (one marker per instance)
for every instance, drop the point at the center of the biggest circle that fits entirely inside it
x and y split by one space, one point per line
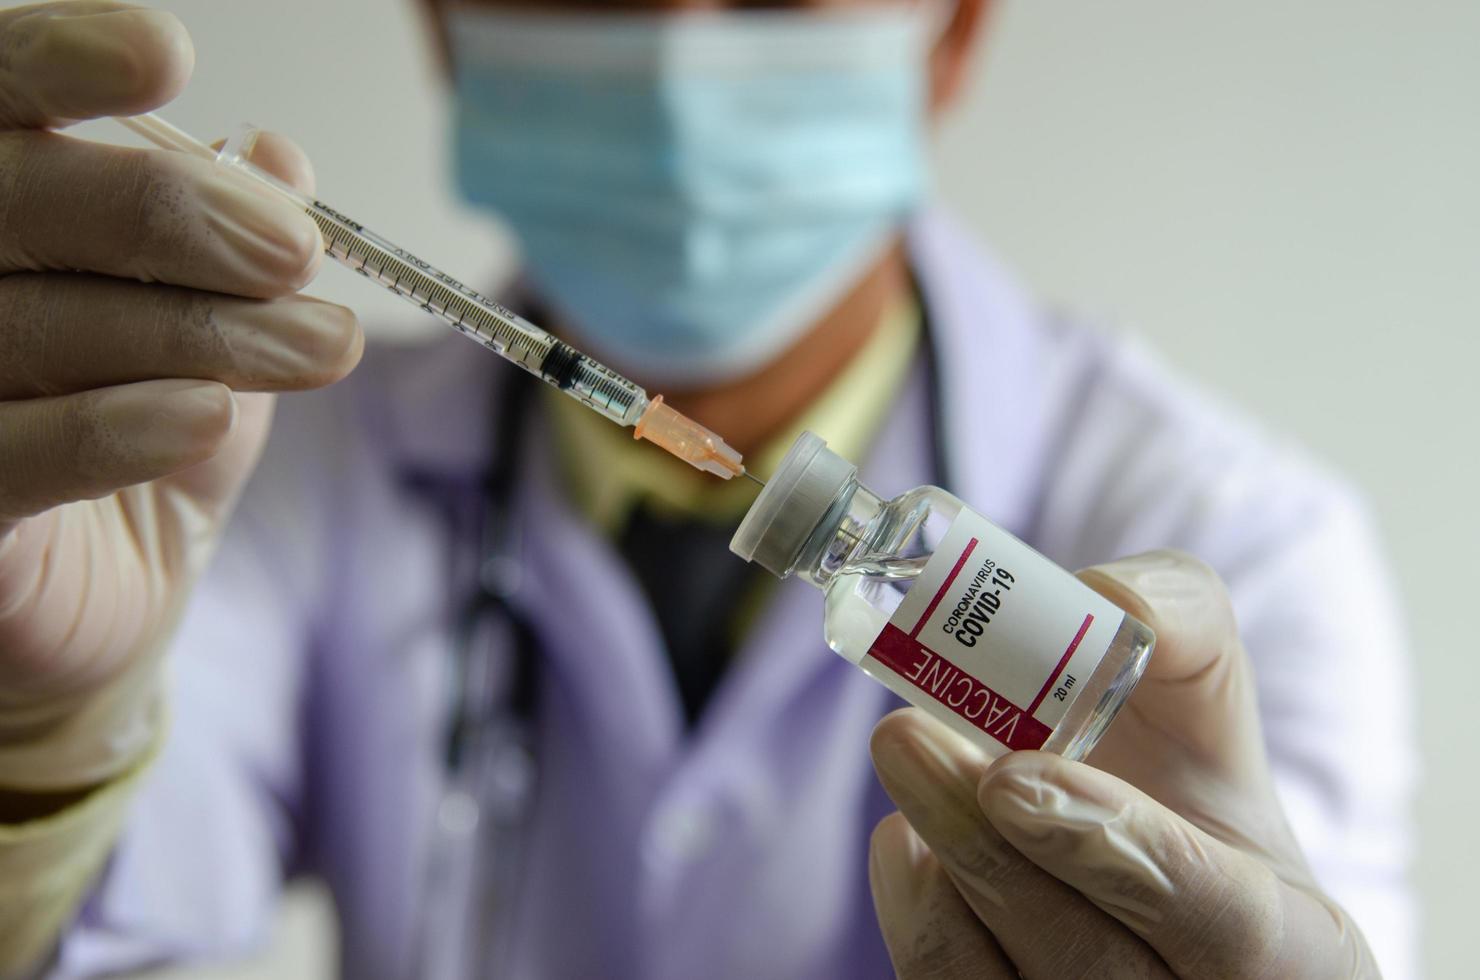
998 634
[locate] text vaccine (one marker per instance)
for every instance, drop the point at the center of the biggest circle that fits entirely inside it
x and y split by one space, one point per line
946 609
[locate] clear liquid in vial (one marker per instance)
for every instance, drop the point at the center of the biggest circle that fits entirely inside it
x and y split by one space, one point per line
896 541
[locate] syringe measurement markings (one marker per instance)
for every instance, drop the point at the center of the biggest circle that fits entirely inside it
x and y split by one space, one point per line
614 394
496 328
469 316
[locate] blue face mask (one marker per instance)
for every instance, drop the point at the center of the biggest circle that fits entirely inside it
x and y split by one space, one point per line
692 191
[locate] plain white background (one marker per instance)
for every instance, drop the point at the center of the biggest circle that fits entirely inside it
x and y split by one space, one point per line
1279 196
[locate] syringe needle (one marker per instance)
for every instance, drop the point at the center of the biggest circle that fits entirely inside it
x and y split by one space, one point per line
753 478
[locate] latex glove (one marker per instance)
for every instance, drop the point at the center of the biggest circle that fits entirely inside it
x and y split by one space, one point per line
1168 856
140 292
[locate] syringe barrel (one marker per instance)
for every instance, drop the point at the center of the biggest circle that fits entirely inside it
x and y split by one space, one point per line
469 312
499 329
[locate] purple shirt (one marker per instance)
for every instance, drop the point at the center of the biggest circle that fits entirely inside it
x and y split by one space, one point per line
310 674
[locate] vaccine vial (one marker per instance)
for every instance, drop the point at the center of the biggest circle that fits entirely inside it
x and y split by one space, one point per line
946 609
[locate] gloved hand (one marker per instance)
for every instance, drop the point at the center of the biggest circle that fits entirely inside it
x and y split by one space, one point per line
1167 856
143 294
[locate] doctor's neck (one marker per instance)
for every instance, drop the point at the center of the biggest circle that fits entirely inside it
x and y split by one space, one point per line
750 411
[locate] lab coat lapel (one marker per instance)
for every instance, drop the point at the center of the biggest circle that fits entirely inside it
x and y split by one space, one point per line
598 632
990 358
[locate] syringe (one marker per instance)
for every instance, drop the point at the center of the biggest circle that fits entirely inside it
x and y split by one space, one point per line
499 329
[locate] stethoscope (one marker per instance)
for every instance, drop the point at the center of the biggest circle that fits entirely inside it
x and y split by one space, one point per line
476 849
477 854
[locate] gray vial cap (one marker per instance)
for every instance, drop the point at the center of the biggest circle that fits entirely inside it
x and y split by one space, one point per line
790 506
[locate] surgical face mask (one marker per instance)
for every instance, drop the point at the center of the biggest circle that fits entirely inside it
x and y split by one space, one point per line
693 191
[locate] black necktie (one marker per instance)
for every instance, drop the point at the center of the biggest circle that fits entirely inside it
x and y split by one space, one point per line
697 589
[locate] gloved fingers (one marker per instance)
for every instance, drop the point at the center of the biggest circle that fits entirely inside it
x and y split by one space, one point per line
1182 599
1197 694
1209 910
930 931
1045 927
62 333
215 483
79 583
62 62
150 215
87 445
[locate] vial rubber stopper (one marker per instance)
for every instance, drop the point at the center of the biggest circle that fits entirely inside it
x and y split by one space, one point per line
794 500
